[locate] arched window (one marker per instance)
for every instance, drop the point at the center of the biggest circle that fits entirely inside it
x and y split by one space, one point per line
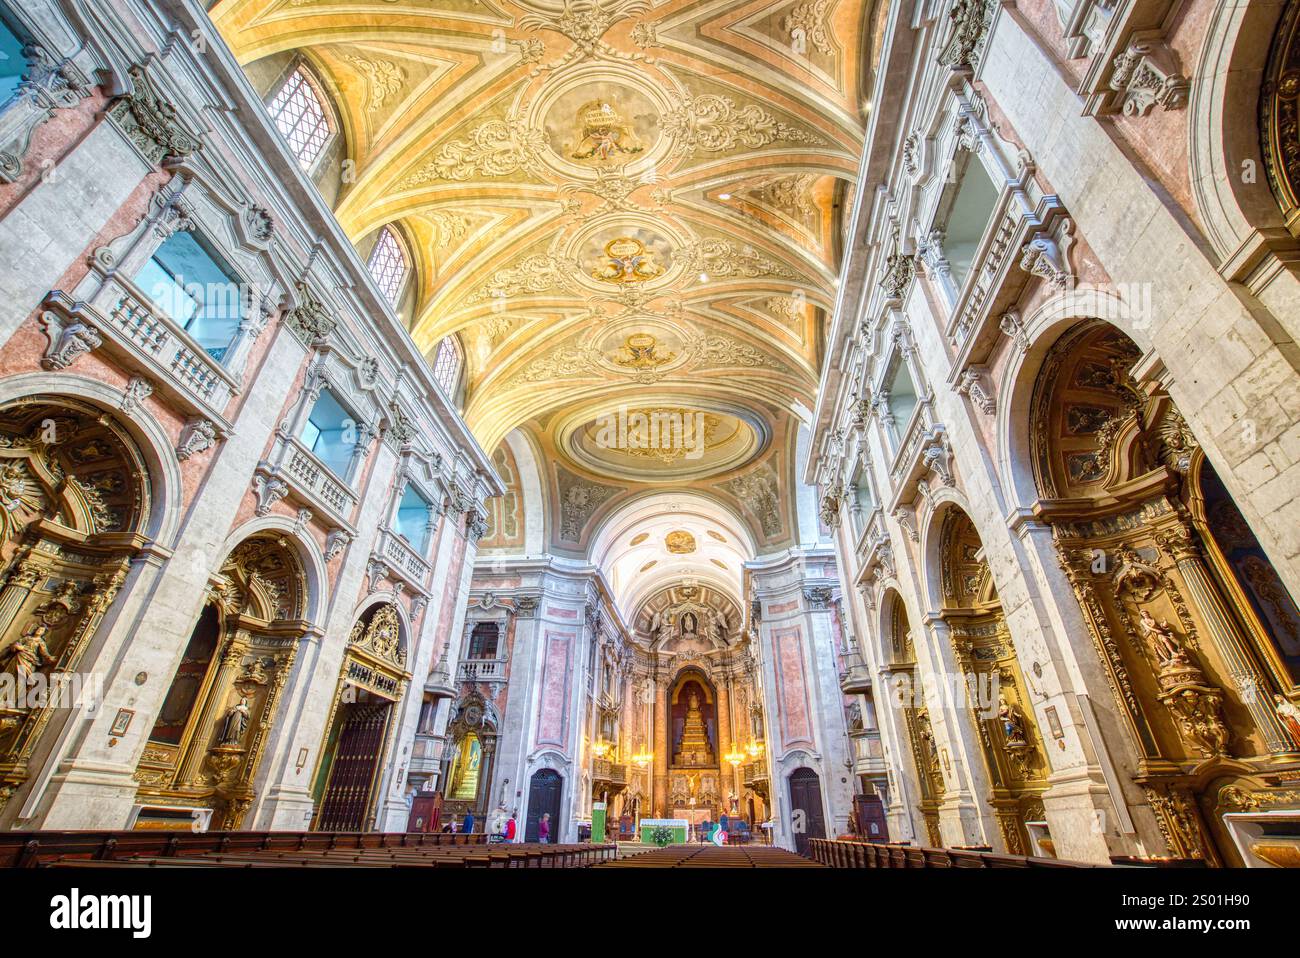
446 366
388 265
300 117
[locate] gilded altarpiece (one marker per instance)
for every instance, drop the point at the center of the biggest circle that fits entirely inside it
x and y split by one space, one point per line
1194 671
74 504
1000 712
920 731
208 739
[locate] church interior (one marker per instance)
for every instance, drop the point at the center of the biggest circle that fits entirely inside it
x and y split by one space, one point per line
833 434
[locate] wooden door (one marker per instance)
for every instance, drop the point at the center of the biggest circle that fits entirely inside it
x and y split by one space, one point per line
806 817
543 798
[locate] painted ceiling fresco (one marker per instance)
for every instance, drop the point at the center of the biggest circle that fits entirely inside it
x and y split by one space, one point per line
612 203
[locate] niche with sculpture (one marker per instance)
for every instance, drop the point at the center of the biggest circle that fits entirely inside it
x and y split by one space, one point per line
208 739
1194 628
916 717
74 508
1001 714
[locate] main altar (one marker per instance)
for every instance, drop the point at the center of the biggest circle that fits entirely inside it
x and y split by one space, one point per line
694 774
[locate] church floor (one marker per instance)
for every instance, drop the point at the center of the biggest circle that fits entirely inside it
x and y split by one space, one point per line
711 856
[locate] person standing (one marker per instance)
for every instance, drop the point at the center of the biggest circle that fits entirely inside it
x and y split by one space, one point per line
467 826
544 829
511 828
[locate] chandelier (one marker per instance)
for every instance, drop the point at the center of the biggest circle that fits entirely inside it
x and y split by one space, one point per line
755 749
642 759
735 758
600 748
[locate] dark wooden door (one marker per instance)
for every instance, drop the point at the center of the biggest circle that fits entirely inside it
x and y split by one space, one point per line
352 772
871 818
544 797
806 818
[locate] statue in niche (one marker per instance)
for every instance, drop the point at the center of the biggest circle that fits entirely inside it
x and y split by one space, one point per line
1168 649
689 625
235 724
1013 723
25 656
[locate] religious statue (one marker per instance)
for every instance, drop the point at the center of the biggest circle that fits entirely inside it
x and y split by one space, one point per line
25 656
689 624
1013 723
1289 713
1163 640
234 724
719 627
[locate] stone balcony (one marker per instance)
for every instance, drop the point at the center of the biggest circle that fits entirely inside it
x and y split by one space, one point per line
398 555
120 320
482 670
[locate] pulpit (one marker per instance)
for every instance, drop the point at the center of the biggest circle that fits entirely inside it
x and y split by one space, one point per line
426 812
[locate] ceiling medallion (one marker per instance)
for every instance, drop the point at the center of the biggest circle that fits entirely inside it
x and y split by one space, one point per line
638 352
639 538
679 542
603 134
629 261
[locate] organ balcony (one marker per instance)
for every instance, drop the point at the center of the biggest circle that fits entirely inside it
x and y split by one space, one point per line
607 775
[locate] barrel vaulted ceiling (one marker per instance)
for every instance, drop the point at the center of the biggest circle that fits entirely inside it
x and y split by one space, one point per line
612 202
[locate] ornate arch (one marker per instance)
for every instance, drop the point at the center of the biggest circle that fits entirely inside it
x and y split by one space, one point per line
1117 470
209 738
76 507
1234 114
998 705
